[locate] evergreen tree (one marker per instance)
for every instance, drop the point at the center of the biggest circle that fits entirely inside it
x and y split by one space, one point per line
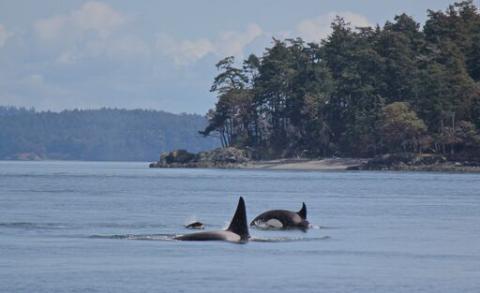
326 98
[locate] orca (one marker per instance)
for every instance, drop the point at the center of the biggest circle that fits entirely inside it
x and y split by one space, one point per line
237 231
282 219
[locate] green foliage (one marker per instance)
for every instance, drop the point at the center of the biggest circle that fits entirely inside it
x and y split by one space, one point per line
105 134
329 98
401 128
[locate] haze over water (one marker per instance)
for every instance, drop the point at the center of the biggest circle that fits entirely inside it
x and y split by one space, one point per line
107 227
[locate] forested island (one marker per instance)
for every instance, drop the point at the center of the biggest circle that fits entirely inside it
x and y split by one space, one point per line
101 135
404 95
365 92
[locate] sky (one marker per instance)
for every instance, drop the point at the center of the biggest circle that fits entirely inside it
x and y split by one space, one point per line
57 54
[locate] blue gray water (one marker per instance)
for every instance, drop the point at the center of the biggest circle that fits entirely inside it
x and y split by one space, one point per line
104 227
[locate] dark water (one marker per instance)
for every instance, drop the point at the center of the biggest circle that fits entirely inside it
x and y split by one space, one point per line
106 227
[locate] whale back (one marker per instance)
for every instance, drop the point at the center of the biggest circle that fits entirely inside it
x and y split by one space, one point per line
239 224
303 211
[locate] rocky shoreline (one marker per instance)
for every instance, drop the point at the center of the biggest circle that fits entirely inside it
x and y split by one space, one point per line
418 162
233 158
217 158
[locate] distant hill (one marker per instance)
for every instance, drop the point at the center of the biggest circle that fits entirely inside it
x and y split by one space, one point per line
103 134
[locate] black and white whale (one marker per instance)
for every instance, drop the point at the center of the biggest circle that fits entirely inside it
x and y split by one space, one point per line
237 231
282 219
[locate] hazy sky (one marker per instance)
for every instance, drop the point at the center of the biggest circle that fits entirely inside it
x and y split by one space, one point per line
57 54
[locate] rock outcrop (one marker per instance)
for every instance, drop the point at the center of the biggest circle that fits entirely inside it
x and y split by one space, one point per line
417 162
217 158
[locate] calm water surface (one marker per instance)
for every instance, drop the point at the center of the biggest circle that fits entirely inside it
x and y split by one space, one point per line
106 227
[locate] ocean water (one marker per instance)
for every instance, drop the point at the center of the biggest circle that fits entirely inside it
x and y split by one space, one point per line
107 227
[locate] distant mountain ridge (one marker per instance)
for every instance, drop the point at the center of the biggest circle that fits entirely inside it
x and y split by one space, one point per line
102 134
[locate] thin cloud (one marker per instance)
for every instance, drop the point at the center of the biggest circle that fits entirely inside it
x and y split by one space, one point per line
316 29
92 16
4 35
230 43
233 43
93 30
184 52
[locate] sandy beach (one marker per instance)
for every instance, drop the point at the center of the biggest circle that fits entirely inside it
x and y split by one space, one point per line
329 164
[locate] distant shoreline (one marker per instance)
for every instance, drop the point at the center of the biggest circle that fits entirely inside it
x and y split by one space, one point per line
328 164
233 158
354 164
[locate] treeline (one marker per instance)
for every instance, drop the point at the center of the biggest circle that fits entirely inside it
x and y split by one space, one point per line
360 92
104 134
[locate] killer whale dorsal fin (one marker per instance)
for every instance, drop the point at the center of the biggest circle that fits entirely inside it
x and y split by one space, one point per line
238 224
303 211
